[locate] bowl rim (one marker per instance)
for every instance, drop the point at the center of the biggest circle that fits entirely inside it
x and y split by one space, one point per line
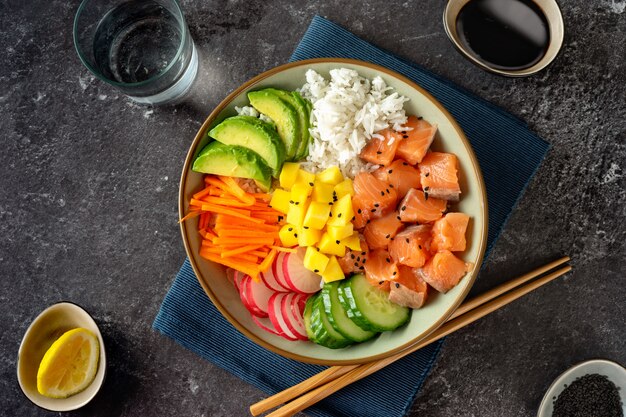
192 257
102 360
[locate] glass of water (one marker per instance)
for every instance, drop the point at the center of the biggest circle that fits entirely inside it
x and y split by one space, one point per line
142 47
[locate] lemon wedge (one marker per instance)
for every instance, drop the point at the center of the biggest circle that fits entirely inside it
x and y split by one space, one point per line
69 365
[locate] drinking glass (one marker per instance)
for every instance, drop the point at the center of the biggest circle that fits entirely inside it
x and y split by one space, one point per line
141 47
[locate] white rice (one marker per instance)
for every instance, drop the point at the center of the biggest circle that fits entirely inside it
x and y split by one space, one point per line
348 110
251 111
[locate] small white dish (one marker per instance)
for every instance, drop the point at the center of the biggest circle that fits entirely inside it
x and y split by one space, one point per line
47 327
615 373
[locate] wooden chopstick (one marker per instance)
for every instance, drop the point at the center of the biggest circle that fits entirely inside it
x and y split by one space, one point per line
364 370
335 372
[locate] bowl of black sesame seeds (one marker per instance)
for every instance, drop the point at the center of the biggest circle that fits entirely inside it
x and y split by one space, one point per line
595 388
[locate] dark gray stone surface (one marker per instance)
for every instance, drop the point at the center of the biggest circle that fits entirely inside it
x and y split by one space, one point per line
88 190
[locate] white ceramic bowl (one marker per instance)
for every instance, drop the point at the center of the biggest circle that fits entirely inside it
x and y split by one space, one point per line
47 327
449 138
615 372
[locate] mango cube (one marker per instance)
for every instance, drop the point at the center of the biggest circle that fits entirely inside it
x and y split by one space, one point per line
305 177
308 236
288 235
340 232
331 246
300 192
330 175
344 188
288 174
280 200
296 213
342 211
333 271
316 215
314 260
353 242
322 192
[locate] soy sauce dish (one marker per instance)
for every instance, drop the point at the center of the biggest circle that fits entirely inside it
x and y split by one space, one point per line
514 38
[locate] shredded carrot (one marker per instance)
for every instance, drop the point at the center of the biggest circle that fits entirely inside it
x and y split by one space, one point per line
246 233
236 190
243 240
190 215
225 201
231 212
245 257
282 249
242 249
267 262
202 193
249 268
204 221
259 253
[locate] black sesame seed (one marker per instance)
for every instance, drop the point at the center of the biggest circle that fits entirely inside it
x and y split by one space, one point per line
419 246
339 215
390 185
330 214
381 282
361 267
394 273
297 202
398 217
356 264
391 239
336 241
407 240
270 206
311 184
427 174
390 171
280 218
359 211
367 222
405 164
387 236
352 256
426 189
382 193
353 218
306 227
295 235
420 118
290 229
373 210
376 205
290 201
388 192
403 208
316 270
397 285
425 196
405 136
330 203
388 260
358 258
378 152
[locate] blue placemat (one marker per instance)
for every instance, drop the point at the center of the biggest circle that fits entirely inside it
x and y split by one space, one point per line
508 153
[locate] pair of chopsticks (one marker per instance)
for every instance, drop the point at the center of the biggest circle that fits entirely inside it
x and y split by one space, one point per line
331 380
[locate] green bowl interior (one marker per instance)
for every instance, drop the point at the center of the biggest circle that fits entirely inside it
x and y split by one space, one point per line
449 138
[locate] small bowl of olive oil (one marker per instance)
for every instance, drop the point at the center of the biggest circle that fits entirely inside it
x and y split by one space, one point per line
514 38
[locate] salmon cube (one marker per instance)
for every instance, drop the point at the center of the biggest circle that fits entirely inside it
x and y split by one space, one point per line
439 176
444 271
416 207
411 247
381 151
379 233
449 232
400 175
415 142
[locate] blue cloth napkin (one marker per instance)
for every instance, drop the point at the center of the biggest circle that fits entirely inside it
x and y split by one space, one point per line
509 154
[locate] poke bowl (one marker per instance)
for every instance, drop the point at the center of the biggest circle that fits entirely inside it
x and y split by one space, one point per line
223 287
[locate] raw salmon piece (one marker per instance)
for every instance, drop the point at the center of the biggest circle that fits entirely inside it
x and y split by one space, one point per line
438 174
415 142
379 233
361 214
382 151
415 207
401 175
449 232
411 246
354 261
408 289
373 195
444 270
380 269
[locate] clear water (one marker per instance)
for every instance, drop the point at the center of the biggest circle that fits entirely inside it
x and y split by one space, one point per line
136 41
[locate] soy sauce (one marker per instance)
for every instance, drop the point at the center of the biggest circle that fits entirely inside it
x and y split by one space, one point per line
504 34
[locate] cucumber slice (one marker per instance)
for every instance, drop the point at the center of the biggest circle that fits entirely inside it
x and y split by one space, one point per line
323 332
337 315
369 307
308 309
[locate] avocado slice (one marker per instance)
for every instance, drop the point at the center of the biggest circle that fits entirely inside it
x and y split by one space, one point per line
233 161
254 134
283 114
304 116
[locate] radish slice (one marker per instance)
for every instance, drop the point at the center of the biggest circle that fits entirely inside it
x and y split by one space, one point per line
268 326
295 322
279 272
270 281
246 299
258 295
276 315
298 304
237 277
297 276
